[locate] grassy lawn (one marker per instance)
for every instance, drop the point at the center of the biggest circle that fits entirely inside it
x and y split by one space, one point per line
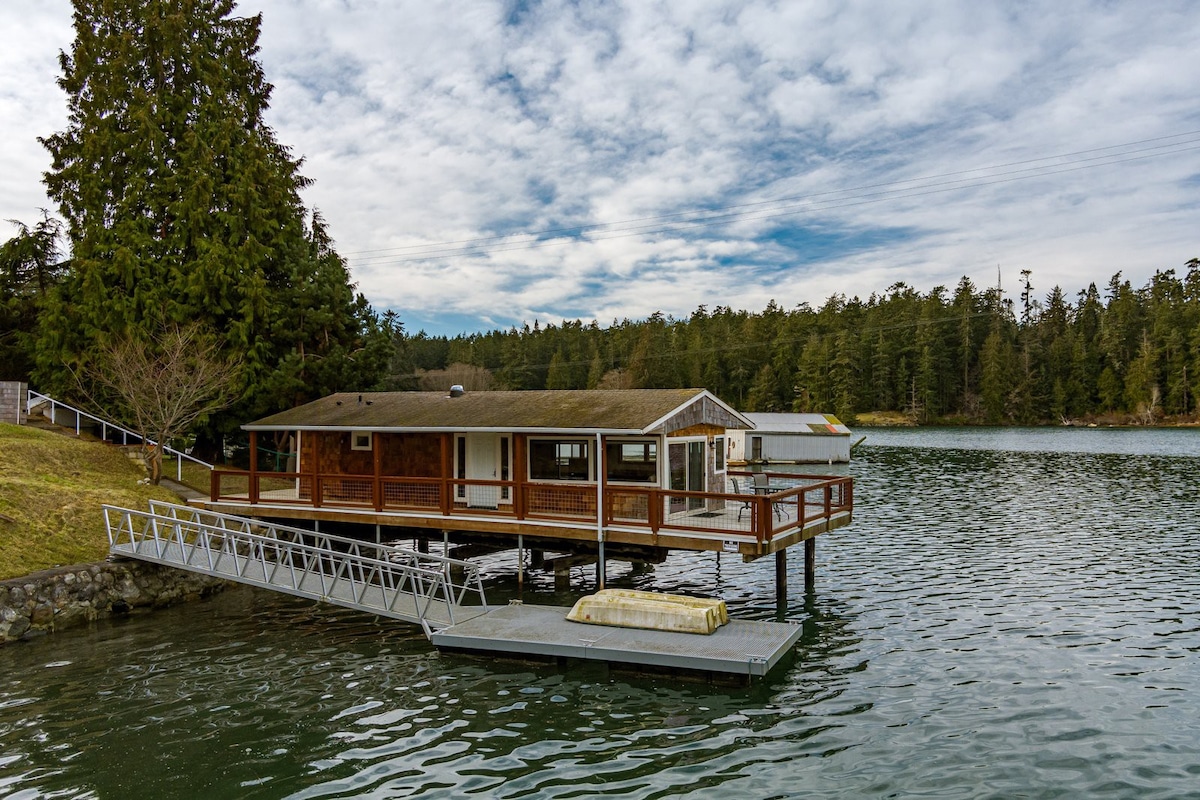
51 490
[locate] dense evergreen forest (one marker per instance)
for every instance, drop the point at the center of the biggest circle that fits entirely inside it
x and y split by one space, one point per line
969 355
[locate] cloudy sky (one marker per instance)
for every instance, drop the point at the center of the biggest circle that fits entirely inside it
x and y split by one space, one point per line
481 164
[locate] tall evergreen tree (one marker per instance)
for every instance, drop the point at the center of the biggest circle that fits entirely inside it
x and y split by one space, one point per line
842 384
966 312
30 267
561 373
180 204
1087 363
998 366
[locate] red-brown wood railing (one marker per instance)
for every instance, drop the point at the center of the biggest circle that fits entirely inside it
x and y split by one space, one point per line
764 516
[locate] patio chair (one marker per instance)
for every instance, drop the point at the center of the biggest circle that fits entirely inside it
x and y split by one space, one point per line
762 485
737 489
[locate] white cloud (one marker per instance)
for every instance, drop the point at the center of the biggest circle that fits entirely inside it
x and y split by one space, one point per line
426 124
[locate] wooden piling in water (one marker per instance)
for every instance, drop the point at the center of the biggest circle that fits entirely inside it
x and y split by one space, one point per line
780 579
810 565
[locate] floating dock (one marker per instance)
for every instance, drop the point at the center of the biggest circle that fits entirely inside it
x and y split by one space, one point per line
742 647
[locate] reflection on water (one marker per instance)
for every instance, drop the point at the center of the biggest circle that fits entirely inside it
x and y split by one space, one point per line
999 621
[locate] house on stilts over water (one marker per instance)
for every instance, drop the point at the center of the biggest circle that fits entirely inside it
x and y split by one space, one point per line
628 474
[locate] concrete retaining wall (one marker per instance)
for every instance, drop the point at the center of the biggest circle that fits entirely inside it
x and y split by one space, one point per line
12 402
67 597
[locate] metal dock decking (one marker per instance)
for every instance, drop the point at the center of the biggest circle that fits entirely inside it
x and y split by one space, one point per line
742 647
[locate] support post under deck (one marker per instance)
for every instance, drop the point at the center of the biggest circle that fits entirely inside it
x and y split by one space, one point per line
781 579
600 576
600 474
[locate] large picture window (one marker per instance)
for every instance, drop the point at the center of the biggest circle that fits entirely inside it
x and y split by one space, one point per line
559 460
631 461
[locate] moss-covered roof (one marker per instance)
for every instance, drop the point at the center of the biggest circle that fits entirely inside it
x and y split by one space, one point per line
628 410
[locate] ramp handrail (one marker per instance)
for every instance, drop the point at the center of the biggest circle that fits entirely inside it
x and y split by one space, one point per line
471 584
36 398
199 540
358 546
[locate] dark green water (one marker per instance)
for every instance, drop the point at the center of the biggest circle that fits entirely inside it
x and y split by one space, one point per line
1013 614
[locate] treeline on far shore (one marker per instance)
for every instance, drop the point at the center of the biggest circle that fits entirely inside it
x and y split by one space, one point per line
970 355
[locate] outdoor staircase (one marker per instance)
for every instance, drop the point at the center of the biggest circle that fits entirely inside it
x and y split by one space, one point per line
38 416
45 412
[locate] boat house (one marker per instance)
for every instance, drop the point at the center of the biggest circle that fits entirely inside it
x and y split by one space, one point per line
790 439
641 469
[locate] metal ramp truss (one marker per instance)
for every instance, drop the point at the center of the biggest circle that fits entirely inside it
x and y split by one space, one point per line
380 579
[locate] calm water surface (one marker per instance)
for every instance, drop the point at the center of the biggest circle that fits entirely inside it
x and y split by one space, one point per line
1012 614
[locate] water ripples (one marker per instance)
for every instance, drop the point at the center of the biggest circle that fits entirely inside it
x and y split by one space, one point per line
998 622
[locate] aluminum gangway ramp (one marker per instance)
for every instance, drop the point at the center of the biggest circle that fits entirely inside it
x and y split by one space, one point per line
380 579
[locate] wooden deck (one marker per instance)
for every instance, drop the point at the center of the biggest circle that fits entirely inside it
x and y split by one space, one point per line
752 525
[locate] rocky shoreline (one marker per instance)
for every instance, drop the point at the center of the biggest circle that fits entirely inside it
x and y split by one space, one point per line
66 597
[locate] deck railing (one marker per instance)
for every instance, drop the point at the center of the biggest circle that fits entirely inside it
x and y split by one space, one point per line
804 499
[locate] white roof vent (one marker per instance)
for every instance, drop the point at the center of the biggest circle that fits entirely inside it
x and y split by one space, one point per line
457 390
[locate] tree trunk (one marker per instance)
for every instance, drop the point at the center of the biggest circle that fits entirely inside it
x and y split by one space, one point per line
154 463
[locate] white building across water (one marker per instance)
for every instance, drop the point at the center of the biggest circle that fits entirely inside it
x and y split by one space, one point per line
789 439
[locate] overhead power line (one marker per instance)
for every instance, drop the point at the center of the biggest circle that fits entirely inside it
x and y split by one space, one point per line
788 206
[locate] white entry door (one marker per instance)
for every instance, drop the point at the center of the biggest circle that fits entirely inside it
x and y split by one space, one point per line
483 464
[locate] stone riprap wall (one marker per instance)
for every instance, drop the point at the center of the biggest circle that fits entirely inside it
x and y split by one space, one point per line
12 402
66 597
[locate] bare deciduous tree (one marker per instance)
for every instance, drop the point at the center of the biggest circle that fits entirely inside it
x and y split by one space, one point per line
162 384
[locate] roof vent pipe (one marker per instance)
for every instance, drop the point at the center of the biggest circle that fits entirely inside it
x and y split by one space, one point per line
457 390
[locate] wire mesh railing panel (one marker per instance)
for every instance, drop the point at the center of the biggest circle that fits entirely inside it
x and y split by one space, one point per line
412 494
283 487
358 491
560 502
230 485
482 496
699 511
628 505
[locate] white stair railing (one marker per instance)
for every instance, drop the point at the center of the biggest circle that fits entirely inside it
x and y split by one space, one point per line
36 399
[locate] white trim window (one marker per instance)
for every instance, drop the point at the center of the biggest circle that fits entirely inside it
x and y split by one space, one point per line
631 460
360 440
563 459
718 454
